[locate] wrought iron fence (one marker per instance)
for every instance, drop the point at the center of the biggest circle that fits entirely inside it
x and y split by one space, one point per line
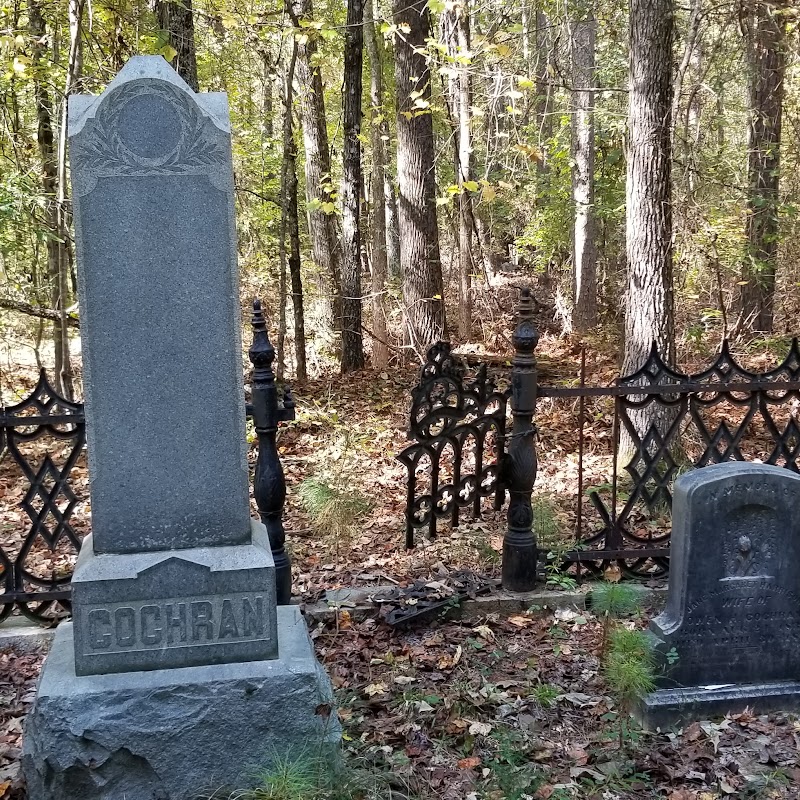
36 563
459 421
673 422
41 590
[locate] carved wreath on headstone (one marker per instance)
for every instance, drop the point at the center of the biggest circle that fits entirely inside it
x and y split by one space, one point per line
198 144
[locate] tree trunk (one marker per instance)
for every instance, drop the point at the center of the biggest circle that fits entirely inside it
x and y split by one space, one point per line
544 94
455 26
52 193
392 224
466 222
290 227
584 257
389 182
649 299
423 289
175 18
322 225
352 344
766 28
380 350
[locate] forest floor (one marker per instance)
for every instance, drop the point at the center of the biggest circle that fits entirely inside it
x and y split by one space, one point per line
503 709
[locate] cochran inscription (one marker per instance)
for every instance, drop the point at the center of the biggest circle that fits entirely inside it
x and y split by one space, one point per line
178 623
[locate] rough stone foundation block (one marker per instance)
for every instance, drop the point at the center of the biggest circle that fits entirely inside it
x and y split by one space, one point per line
667 708
175 734
180 608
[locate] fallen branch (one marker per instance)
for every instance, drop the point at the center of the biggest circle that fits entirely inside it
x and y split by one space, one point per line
37 311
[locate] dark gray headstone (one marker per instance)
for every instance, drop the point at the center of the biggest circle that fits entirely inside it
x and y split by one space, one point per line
160 331
179 674
733 613
173 575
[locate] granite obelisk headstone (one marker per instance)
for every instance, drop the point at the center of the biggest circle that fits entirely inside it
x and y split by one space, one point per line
729 637
177 647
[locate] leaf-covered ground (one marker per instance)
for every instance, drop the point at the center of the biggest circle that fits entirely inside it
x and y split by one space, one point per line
499 709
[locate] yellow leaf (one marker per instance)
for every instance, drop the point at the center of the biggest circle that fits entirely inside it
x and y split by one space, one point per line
488 194
169 52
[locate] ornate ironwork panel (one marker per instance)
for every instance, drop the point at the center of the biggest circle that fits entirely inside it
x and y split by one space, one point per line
35 576
665 422
458 420
675 422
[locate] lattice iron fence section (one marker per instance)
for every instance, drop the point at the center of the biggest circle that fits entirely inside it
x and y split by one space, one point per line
722 413
42 437
458 418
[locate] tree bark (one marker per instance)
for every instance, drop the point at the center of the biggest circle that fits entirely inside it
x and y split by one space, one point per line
466 220
290 226
423 289
584 255
322 225
649 298
175 18
766 29
544 94
352 344
378 128
456 24
52 216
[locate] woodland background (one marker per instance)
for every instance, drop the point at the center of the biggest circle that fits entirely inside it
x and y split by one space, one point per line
637 162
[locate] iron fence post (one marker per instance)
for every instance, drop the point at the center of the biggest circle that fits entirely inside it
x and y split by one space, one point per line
520 554
270 406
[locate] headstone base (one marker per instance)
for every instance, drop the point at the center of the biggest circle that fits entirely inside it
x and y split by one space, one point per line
174 608
175 734
666 708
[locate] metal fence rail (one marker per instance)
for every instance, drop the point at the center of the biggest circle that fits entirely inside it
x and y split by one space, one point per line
42 594
672 421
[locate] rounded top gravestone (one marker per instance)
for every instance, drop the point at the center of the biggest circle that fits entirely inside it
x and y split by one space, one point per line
160 320
733 613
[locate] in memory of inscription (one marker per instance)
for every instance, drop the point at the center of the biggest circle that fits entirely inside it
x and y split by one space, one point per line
185 622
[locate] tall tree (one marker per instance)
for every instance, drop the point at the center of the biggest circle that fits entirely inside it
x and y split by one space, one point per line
421 266
765 26
322 225
378 129
290 227
456 28
54 216
649 298
352 345
175 18
584 252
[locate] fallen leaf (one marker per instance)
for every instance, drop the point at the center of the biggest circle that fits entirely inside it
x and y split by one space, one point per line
480 729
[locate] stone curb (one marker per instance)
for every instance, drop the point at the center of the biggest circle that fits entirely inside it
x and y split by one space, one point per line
22 635
358 604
